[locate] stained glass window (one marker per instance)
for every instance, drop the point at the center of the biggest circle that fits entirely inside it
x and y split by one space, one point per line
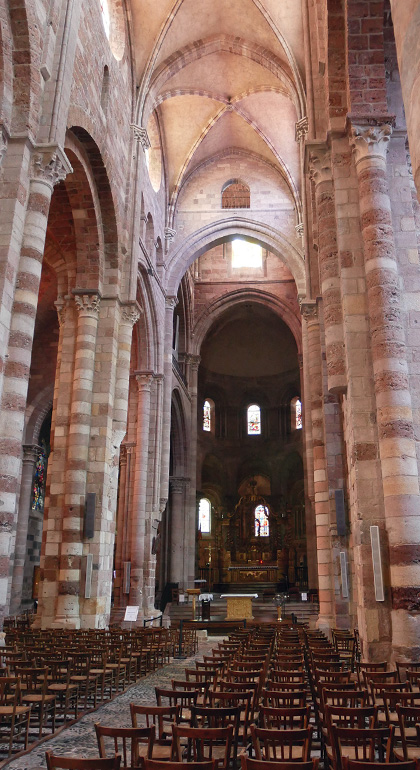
298 408
246 254
204 511
38 486
262 526
207 416
254 419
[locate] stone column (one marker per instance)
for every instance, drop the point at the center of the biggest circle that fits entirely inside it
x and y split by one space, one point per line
397 448
308 465
140 490
49 166
321 173
309 311
71 546
170 304
192 363
30 456
177 532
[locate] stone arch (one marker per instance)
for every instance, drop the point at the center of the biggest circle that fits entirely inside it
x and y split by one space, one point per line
178 460
36 413
89 157
146 342
211 235
228 301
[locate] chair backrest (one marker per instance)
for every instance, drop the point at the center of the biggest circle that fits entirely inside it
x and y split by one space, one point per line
156 764
284 698
56 762
366 743
352 764
182 698
408 718
359 717
201 742
257 764
157 717
281 745
346 698
285 718
296 677
125 741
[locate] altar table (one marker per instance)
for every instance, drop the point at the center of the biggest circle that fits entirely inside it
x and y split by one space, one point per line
239 606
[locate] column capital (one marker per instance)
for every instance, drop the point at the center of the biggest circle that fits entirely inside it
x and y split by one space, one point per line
309 309
169 234
192 360
369 136
141 136
87 302
178 485
144 381
49 164
301 129
319 164
300 230
60 305
30 453
171 301
130 313
162 504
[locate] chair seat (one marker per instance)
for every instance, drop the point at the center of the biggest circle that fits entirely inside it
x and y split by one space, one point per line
161 750
413 752
8 710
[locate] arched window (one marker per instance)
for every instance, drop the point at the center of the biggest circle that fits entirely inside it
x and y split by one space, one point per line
254 420
246 254
208 415
262 525
296 413
106 18
236 195
204 516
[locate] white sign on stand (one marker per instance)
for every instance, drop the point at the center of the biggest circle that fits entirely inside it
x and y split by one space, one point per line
131 614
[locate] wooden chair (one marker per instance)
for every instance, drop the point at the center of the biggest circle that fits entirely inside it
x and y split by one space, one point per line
185 700
234 699
409 724
131 742
362 744
281 745
34 684
284 698
203 744
257 764
14 717
161 719
56 762
219 717
201 688
362 666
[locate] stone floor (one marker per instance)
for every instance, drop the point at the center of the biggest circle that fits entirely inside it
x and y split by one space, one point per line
80 740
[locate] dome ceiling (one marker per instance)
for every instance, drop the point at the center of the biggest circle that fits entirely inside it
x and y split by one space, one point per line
219 76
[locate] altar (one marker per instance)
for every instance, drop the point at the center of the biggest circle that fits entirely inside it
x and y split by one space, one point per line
239 606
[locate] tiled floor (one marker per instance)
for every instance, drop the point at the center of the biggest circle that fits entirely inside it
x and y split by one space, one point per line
80 740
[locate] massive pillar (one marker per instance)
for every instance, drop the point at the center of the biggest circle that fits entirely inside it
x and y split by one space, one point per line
49 165
397 448
179 531
141 488
30 456
321 493
193 363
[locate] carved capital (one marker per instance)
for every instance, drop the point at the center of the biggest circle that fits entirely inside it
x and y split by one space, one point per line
301 129
300 229
61 308
49 164
162 504
171 302
178 485
369 137
320 169
192 361
131 313
309 309
3 143
87 303
141 135
30 454
144 381
169 234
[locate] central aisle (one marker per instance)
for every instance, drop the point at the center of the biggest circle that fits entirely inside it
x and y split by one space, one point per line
80 739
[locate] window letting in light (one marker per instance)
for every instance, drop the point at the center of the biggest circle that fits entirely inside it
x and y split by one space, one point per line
298 415
204 512
246 254
262 525
207 416
254 420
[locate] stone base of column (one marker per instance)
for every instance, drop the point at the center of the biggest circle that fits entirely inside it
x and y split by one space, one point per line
325 623
61 621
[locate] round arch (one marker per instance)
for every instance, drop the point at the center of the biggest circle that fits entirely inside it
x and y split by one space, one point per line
241 296
217 232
